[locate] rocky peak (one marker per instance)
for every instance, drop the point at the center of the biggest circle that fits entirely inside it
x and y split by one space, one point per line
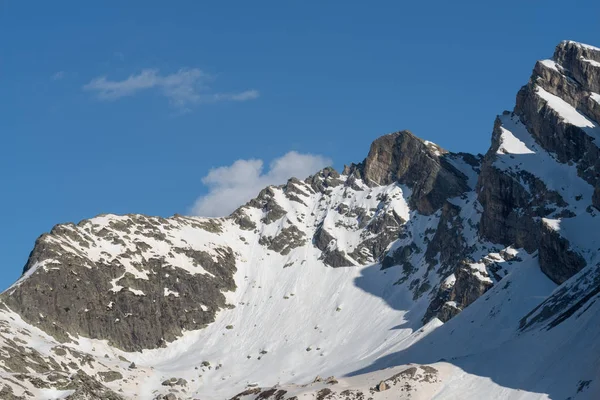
392 156
140 281
428 231
323 180
421 165
560 106
137 281
580 62
555 122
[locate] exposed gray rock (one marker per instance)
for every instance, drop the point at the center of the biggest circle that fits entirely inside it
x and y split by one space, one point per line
241 219
18 358
401 256
449 301
385 228
468 287
565 301
568 142
572 57
287 239
324 179
402 157
7 393
557 260
510 211
331 255
175 382
168 396
573 79
447 312
448 245
322 239
295 190
75 295
110 376
87 388
266 202
68 293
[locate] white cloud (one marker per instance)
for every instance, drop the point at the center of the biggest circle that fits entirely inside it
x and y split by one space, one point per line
184 87
243 96
58 76
231 186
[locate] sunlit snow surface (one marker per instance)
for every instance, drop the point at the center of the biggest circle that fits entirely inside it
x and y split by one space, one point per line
294 318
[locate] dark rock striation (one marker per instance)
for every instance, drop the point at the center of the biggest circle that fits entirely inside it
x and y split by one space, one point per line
452 224
135 298
403 158
515 201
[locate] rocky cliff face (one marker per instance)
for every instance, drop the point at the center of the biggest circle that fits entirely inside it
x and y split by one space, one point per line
403 158
404 240
554 121
134 280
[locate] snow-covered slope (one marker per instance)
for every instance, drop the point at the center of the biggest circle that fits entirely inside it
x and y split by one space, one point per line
416 273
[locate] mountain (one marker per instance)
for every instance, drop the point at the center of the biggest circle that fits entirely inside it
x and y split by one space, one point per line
417 273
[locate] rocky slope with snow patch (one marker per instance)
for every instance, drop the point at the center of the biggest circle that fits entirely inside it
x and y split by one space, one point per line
417 273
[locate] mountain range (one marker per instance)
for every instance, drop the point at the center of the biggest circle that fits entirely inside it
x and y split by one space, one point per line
416 273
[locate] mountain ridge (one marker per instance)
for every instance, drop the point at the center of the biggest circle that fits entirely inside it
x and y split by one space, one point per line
406 247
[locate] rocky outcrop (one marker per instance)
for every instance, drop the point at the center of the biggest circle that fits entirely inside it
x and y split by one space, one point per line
402 157
331 256
570 143
403 384
87 388
135 298
573 76
139 282
383 229
448 246
469 286
289 238
401 256
470 281
557 260
514 200
268 205
569 299
128 299
324 180
29 371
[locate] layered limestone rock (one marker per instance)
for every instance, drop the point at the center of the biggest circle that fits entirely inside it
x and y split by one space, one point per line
555 120
404 158
31 371
557 260
75 286
447 227
468 282
331 256
133 280
558 111
140 282
513 201
571 78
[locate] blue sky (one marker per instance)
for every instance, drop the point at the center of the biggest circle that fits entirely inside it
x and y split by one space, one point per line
127 106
